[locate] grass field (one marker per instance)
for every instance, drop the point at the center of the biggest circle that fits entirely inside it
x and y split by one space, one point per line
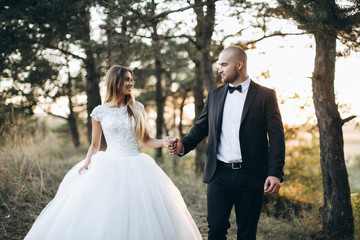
33 163
21 206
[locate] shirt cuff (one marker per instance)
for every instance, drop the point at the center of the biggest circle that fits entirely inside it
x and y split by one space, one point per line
182 153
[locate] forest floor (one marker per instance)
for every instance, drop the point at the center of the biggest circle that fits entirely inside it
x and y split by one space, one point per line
34 159
26 196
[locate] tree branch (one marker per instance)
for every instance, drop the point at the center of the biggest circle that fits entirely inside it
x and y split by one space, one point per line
348 119
54 115
164 14
46 45
348 39
171 37
275 34
188 37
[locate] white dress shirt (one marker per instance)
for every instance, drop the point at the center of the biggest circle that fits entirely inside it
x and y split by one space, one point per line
229 146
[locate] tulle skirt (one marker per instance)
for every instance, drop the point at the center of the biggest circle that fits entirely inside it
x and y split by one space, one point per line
119 197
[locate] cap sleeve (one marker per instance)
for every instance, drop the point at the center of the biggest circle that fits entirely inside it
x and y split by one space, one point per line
98 113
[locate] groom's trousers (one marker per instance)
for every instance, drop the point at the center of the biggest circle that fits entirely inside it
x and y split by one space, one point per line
232 187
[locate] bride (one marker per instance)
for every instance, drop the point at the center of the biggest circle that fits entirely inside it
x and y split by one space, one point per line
117 194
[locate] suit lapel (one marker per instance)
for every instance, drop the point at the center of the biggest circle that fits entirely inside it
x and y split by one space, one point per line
220 101
249 98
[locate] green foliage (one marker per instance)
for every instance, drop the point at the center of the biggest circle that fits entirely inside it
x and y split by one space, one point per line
355 202
304 226
354 177
303 179
63 133
357 161
327 17
294 213
11 111
35 47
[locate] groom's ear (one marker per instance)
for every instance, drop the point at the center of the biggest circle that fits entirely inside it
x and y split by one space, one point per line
239 65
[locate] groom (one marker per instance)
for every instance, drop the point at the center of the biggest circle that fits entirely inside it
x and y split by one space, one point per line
246 148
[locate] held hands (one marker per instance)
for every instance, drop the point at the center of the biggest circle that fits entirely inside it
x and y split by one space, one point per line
174 145
169 141
272 185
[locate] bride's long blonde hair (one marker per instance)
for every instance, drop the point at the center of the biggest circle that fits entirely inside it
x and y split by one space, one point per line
115 78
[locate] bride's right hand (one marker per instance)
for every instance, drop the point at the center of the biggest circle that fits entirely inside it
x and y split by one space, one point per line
169 141
85 167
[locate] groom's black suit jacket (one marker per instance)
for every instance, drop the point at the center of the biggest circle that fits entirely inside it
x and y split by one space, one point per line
261 133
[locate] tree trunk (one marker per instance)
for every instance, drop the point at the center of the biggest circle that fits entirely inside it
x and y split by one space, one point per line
207 28
338 221
182 104
73 129
109 30
160 103
92 89
160 99
207 71
72 116
203 68
199 104
92 81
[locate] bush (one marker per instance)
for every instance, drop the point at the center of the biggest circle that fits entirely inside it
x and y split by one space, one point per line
355 202
303 179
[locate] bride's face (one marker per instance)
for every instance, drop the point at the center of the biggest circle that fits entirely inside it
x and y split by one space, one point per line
128 84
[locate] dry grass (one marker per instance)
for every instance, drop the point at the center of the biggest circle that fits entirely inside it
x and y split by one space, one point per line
33 163
305 225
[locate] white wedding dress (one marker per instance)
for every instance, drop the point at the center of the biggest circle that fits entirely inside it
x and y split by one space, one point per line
123 196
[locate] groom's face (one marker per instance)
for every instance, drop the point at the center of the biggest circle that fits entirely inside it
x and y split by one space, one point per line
227 67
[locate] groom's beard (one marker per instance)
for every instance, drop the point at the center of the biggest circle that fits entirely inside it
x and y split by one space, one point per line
231 77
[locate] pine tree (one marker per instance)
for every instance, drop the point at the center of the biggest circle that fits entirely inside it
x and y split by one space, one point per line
327 21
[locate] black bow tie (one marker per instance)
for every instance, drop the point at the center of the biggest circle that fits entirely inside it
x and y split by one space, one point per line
232 89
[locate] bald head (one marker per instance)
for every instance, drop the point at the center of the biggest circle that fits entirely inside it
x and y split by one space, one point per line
237 53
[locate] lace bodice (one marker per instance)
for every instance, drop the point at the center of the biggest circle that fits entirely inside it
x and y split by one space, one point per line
115 123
